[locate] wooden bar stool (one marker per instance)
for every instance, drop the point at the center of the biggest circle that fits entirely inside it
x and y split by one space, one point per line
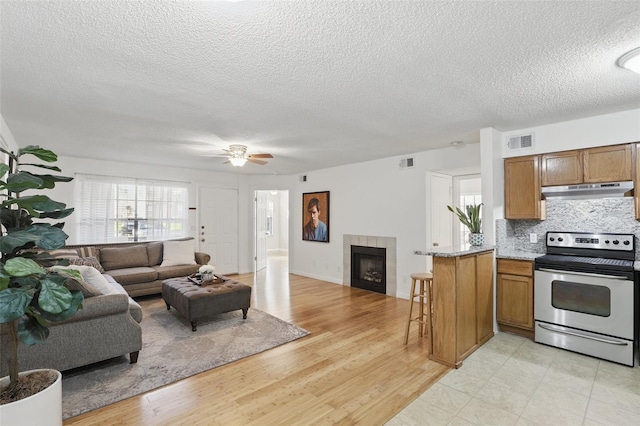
424 280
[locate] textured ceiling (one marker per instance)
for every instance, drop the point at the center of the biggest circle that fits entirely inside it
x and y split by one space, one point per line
315 83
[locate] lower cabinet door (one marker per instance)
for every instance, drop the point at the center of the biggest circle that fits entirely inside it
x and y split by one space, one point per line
515 301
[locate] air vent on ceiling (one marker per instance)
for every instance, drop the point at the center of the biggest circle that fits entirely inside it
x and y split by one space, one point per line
406 163
520 142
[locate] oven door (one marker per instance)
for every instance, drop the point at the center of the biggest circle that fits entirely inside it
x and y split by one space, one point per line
592 302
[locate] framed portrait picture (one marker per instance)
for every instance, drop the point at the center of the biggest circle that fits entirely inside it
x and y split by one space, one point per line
315 216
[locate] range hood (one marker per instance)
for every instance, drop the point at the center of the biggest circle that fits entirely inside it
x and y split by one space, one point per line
586 191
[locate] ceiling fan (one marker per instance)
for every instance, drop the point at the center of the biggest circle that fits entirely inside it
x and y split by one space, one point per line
237 156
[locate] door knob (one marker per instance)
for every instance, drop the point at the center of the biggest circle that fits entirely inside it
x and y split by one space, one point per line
436 244
202 227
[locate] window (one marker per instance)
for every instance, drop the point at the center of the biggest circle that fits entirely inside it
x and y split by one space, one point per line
114 209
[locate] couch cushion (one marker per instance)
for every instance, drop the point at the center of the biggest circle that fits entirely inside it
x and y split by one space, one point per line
165 272
154 253
179 253
123 257
140 274
94 280
134 309
87 261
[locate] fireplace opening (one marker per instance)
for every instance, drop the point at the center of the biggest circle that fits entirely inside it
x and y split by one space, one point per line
369 268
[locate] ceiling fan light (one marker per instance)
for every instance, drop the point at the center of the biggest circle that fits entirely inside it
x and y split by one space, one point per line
237 161
631 60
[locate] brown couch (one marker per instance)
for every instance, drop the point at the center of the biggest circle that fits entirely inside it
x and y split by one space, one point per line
137 266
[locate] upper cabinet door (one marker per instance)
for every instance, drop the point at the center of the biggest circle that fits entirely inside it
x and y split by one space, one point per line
608 163
522 192
562 168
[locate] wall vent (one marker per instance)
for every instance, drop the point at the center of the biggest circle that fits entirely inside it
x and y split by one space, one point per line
303 178
520 142
406 163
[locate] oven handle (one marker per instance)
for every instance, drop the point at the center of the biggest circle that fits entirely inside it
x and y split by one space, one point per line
573 333
586 274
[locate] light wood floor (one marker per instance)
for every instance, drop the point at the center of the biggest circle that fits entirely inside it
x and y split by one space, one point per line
351 369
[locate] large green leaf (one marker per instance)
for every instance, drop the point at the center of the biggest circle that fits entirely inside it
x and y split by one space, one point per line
76 303
31 332
13 303
14 218
18 182
21 267
43 166
41 153
58 214
4 168
50 236
17 239
54 298
49 181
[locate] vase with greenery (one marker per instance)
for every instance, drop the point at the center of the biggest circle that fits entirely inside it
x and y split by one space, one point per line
32 295
471 219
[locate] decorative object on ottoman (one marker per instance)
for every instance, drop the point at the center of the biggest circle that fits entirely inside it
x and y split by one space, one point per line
206 272
196 302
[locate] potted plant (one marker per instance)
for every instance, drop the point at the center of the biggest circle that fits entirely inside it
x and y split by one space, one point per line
471 219
32 296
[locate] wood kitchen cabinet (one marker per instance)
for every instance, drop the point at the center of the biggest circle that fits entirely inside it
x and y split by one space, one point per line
562 168
523 196
461 306
608 163
514 295
636 181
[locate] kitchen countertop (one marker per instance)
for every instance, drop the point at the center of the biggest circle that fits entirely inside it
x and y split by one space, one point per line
516 254
454 251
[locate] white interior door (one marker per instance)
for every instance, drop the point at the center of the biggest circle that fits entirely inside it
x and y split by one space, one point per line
261 230
441 217
218 233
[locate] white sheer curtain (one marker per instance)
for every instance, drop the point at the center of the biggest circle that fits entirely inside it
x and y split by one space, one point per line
116 209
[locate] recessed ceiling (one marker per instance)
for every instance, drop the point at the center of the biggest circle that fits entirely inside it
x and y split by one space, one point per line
317 84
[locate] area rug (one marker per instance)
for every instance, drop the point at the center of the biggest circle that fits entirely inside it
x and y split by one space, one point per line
171 352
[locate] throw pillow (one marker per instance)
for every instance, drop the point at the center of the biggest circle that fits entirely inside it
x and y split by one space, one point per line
87 251
179 253
85 287
95 279
87 261
64 253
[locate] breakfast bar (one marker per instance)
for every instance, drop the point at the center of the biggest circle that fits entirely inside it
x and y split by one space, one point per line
461 300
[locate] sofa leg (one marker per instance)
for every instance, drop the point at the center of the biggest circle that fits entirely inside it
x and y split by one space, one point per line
133 357
194 326
244 313
168 305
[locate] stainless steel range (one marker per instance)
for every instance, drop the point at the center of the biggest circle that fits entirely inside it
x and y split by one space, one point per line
584 294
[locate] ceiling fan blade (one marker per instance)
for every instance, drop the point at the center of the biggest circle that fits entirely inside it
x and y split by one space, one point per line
253 160
260 156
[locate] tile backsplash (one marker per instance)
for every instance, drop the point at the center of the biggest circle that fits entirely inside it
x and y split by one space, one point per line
600 215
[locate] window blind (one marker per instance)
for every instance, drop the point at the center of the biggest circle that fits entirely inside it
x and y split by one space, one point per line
120 209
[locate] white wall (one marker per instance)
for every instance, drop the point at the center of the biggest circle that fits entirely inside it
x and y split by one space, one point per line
601 130
371 198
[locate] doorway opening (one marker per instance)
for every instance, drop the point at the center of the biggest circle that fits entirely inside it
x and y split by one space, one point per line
271 228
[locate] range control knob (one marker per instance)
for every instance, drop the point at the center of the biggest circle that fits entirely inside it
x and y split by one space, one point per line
616 242
560 239
626 242
551 239
606 241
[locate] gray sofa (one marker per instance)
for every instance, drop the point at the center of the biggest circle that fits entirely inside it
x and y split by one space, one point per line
107 326
137 266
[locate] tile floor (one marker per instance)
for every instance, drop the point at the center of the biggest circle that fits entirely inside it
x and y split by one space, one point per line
511 380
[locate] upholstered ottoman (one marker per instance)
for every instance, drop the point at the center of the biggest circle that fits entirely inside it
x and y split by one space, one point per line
195 302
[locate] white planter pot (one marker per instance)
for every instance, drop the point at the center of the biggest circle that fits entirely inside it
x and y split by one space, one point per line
43 408
476 239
